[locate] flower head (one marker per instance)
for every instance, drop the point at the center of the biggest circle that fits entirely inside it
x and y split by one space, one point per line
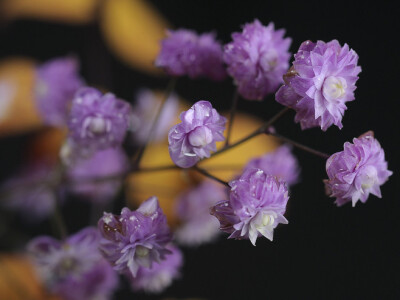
144 113
357 171
280 163
73 269
196 136
257 58
56 83
320 82
193 209
98 121
255 207
160 275
103 163
184 52
28 193
135 238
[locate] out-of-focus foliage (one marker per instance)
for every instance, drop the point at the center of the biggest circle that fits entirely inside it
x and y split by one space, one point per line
133 30
18 281
69 11
17 78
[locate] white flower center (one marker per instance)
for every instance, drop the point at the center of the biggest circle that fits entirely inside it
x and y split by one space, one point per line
267 220
368 177
269 60
200 137
97 125
142 251
334 88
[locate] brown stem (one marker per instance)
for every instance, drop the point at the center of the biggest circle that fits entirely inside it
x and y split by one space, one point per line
205 173
260 130
232 116
300 146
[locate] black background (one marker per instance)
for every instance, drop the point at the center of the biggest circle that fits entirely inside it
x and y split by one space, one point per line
325 252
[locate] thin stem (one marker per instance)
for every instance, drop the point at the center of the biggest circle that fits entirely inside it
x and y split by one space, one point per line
300 146
58 218
170 88
232 116
260 130
205 173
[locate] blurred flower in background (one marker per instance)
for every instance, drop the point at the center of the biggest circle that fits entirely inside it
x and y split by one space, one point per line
144 112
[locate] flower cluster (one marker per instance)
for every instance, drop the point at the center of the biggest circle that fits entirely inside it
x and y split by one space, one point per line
101 164
257 58
135 238
34 202
320 82
74 268
184 52
56 83
144 113
160 275
256 205
139 244
280 163
357 171
98 121
193 206
193 139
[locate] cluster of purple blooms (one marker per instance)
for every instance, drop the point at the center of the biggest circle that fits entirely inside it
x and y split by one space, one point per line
320 82
193 139
186 53
138 244
73 268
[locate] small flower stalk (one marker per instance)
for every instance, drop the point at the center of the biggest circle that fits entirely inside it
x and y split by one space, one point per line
135 239
357 171
196 136
256 205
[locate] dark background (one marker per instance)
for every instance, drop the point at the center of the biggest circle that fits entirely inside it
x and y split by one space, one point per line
325 252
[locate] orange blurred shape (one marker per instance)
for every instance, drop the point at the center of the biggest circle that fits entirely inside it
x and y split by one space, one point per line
18 280
167 185
133 30
46 144
69 11
17 108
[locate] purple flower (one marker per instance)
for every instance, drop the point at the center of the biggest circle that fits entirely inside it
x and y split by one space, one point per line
98 121
257 58
320 82
196 136
160 275
56 83
255 207
280 163
184 52
193 209
109 162
135 238
144 114
357 171
29 193
74 269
